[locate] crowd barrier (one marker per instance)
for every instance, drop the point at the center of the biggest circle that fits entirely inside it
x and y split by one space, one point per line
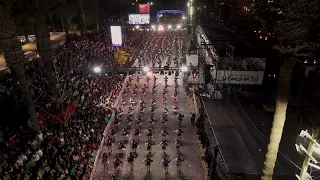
108 126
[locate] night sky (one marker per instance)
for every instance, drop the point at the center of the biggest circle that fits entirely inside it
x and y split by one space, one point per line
125 6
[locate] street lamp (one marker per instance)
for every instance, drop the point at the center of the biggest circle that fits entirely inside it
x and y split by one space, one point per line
97 69
160 28
169 26
184 68
153 26
178 26
191 10
137 26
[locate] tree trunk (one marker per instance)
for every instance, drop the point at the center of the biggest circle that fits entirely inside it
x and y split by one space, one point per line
20 75
15 59
64 29
282 98
216 9
26 37
97 15
45 51
232 12
81 16
52 24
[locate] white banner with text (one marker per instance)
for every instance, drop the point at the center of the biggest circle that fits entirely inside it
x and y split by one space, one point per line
238 77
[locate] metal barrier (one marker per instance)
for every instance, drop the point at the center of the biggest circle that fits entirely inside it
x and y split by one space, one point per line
209 130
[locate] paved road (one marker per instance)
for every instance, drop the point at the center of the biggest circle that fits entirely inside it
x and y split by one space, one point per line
191 167
252 128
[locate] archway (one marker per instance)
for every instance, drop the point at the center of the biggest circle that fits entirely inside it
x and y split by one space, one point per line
170 11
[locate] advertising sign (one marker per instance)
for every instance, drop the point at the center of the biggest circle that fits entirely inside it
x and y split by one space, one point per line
144 8
116 36
139 18
238 77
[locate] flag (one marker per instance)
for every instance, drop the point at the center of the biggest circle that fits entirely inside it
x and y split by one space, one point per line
121 56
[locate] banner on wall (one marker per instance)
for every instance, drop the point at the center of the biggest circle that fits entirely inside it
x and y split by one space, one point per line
238 77
144 8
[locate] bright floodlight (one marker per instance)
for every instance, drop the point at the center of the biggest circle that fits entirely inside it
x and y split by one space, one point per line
97 69
151 3
191 10
137 26
169 26
146 69
178 26
160 28
184 68
153 26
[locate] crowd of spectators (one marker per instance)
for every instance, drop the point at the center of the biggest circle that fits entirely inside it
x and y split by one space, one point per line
68 151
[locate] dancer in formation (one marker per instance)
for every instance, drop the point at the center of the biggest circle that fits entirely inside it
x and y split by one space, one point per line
149 144
147 161
165 163
109 144
178 132
178 144
105 161
149 133
117 162
134 145
179 159
125 134
120 147
164 144
131 160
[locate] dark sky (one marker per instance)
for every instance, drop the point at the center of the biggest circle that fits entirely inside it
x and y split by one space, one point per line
125 6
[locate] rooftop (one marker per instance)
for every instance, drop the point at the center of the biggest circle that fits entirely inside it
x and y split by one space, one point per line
220 37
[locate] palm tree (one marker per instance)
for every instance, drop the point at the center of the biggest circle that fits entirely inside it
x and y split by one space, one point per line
82 17
40 10
97 15
15 57
295 21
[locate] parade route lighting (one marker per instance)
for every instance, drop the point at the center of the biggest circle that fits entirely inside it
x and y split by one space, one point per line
137 26
160 28
153 26
178 26
146 69
184 68
97 69
169 26
183 17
